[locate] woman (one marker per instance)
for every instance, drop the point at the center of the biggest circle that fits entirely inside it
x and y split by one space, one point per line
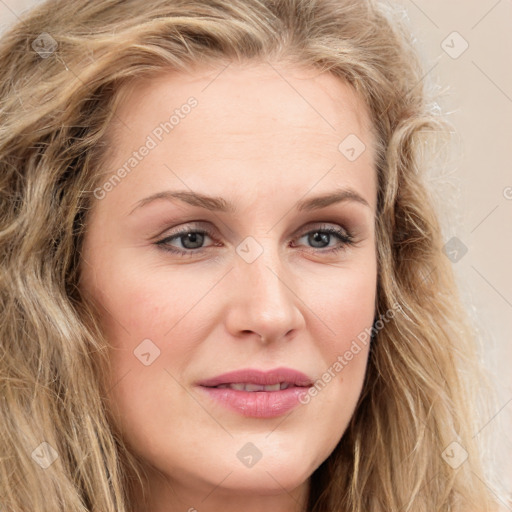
223 280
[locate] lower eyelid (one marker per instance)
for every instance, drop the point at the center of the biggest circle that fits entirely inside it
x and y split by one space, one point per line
177 236
343 237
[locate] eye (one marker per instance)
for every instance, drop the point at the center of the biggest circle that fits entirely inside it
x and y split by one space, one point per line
190 241
321 237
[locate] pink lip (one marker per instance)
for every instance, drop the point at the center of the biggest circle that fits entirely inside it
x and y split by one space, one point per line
258 404
259 377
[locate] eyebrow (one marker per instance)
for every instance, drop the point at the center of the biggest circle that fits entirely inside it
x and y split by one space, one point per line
219 204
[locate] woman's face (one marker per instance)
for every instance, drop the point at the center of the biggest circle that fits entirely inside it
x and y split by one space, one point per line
239 238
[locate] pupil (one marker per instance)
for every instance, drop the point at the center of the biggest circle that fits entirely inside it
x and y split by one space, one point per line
194 238
321 237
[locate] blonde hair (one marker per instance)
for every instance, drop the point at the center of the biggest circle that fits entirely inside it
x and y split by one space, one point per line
423 372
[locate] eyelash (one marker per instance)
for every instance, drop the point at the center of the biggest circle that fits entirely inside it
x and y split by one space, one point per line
344 236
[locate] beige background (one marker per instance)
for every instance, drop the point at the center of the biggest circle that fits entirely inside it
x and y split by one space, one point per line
476 189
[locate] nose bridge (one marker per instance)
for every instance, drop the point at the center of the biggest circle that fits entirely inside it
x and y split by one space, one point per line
263 277
264 302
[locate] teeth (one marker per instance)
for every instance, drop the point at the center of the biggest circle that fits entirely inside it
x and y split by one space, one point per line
252 387
241 386
274 387
238 386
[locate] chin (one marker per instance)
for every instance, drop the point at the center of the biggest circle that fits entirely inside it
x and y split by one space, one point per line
267 480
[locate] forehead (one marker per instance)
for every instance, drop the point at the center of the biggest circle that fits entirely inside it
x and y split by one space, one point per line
277 91
256 121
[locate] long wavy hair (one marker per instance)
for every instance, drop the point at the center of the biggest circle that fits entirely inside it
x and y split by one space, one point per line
63 68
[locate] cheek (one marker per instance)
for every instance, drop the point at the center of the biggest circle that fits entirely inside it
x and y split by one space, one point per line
346 306
345 303
141 299
149 321
148 318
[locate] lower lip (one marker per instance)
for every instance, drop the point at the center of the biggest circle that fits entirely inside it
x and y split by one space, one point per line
258 404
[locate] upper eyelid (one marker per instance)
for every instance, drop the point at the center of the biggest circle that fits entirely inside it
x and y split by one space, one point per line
201 226
304 230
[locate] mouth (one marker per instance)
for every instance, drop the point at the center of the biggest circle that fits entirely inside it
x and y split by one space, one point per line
251 387
256 393
259 380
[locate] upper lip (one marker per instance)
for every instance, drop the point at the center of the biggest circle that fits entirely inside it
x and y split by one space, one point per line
264 378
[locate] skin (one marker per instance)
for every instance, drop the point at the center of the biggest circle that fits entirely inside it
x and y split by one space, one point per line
253 140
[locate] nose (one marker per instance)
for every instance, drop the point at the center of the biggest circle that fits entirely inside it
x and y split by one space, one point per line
264 303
